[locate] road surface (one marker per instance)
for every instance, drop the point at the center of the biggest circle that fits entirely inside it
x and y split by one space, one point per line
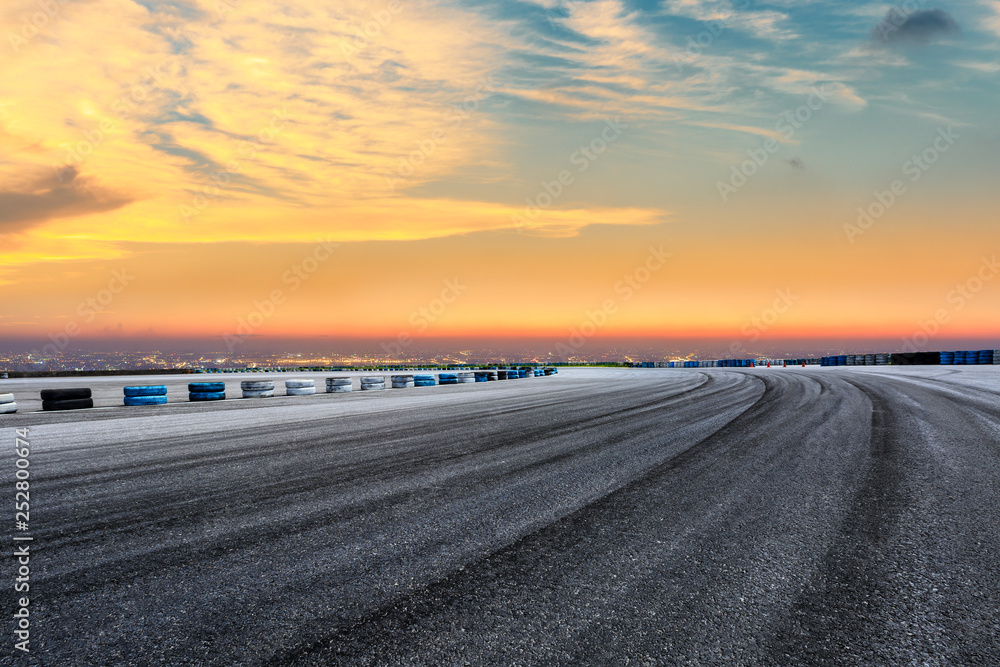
606 516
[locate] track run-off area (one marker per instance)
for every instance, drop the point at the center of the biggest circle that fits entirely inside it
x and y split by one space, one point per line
780 516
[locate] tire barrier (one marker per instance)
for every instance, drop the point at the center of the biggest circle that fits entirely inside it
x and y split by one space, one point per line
68 404
339 385
501 375
7 404
152 394
66 399
482 376
402 381
492 376
447 378
423 381
146 390
996 356
300 387
257 388
373 383
549 371
146 400
465 377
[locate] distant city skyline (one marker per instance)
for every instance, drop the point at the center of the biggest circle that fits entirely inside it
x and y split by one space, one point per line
108 355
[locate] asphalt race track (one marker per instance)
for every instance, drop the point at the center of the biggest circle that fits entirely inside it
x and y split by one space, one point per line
837 516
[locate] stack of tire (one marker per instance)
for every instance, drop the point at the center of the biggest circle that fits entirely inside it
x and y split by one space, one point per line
881 359
947 358
501 375
996 357
7 404
67 399
492 376
549 371
423 381
465 377
339 385
373 383
300 387
151 394
870 360
206 391
447 378
482 376
985 357
402 381
257 388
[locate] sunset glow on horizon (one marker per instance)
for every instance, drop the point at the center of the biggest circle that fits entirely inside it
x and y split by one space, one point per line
745 171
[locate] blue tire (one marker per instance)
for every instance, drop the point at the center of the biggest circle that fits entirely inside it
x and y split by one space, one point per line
146 390
145 400
207 396
424 383
206 387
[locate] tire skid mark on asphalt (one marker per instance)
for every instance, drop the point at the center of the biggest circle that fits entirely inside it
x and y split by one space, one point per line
524 557
162 563
72 532
854 593
507 555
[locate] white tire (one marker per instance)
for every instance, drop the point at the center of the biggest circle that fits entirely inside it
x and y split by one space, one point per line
372 387
402 378
258 393
300 391
338 388
403 385
373 379
299 384
338 382
257 385
8 408
6 398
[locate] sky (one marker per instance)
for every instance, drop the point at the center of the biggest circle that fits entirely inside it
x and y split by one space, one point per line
743 171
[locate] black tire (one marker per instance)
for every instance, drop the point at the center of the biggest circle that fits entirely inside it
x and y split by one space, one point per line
65 394
68 404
